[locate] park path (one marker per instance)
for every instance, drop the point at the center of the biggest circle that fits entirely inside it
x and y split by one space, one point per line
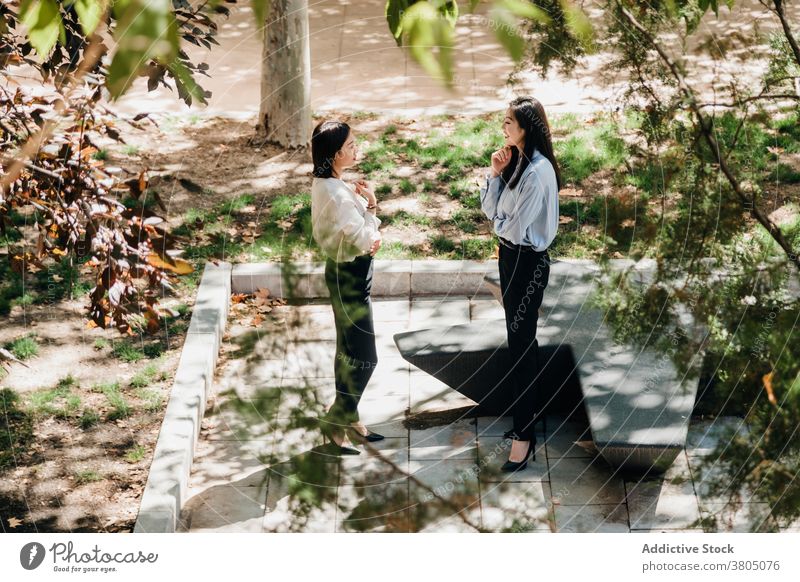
356 66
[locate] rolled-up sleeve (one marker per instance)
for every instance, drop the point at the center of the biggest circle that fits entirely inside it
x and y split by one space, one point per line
490 195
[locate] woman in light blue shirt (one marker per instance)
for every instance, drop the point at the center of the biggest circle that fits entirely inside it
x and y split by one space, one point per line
520 197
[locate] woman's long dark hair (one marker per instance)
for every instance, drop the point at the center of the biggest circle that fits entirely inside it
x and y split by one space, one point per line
327 139
531 117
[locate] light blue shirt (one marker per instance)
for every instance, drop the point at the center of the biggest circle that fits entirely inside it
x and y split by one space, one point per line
528 213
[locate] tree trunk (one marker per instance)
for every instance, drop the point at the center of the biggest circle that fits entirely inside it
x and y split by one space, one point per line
285 113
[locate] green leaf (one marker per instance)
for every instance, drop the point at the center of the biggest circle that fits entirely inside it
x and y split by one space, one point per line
260 11
578 23
507 32
188 88
426 30
89 13
145 30
525 9
394 17
43 20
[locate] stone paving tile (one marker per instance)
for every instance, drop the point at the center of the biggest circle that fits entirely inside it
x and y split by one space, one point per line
437 311
285 514
576 481
233 420
668 501
373 509
372 467
306 323
312 359
239 463
248 379
493 452
564 439
454 441
591 518
516 507
703 435
226 508
390 310
427 394
260 343
706 475
309 396
488 308
384 338
454 479
748 517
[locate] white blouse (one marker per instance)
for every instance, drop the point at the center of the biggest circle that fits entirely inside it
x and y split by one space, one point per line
340 222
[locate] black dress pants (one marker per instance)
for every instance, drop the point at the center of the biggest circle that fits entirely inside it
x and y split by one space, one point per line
524 274
349 285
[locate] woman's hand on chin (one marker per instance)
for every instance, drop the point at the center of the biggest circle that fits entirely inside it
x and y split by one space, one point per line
500 160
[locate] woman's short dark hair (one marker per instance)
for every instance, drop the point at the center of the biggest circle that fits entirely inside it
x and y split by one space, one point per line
531 117
327 139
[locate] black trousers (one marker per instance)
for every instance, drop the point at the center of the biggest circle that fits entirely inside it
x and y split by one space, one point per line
523 278
349 285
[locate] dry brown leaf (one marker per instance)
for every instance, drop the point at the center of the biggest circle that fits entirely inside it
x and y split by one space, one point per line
13 522
768 387
258 319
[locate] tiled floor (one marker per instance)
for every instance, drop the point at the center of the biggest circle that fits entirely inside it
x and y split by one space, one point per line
259 466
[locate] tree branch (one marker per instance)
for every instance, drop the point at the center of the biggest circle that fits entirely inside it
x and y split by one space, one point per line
779 10
747 201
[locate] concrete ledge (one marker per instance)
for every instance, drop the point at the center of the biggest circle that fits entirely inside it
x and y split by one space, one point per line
390 278
168 481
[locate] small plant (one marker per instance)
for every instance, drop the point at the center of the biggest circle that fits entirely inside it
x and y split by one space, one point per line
144 377
120 408
130 150
127 352
58 401
383 189
88 419
135 453
101 154
406 186
153 401
442 245
24 347
83 477
101 343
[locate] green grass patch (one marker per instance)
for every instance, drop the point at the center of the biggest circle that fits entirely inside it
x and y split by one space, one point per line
468 219
383 189
120 408
135 453
101 154
101 343
84 477
153 401
127 352
16 428
145 377
407 186
405 218
88 418
59 401
24 347
591 147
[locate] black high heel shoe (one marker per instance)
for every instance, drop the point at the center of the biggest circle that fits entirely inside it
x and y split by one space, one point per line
327 430
369 437
512 466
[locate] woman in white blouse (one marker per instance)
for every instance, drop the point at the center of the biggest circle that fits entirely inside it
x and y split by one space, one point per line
520 197
346 228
